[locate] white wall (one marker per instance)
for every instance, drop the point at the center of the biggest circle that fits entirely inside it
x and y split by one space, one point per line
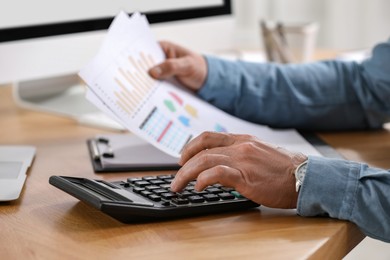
344 24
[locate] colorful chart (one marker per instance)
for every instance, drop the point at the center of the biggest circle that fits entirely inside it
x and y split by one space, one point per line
191 110
164 131
176 98
184 120
220 128
169 104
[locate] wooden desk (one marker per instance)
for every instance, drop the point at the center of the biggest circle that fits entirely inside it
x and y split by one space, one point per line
46 223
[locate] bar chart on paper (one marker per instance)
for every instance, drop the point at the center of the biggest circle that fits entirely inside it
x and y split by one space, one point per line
119 79
133 86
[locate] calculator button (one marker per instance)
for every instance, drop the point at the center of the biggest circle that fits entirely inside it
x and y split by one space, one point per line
145 193
141 183
157 182
226 196
165 186
189 188
185 194
214 190
152 187
180 201
168 195
148 178
237 194
138 190
162 177
159 191
154 197
211 197
165 203
132 180
168 180
199 192
196 199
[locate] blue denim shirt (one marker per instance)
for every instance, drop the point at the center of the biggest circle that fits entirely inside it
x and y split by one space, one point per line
326 95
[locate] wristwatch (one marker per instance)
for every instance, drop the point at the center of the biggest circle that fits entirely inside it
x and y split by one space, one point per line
300 173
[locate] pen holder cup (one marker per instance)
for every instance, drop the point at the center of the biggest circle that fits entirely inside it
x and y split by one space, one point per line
286 43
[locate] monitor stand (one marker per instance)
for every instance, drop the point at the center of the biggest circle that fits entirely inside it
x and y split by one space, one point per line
63 96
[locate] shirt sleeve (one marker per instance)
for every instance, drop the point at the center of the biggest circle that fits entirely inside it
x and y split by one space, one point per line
327 95
350 191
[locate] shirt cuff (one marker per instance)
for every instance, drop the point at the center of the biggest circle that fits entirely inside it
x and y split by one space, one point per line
329 188
212 79
220 73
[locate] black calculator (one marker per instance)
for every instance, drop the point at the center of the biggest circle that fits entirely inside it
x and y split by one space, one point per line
149 197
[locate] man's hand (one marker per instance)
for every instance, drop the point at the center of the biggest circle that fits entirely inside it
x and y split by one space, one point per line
259 171
188 67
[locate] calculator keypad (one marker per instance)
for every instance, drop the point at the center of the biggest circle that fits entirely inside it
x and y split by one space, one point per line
157 189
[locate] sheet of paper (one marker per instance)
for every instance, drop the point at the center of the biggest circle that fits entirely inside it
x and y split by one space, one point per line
161 112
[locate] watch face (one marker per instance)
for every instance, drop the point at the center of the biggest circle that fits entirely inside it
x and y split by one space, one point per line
301 172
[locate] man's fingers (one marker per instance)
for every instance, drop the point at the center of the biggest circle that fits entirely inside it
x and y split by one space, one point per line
206 140
170 68
172 50
221 174
195 166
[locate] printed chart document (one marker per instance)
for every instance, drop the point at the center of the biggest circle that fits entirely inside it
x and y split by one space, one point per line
161 112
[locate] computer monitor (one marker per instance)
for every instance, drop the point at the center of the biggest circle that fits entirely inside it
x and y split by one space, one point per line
43 43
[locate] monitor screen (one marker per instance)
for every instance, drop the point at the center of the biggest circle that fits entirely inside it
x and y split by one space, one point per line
39 18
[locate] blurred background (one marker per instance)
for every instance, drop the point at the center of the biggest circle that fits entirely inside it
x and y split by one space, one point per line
344 24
